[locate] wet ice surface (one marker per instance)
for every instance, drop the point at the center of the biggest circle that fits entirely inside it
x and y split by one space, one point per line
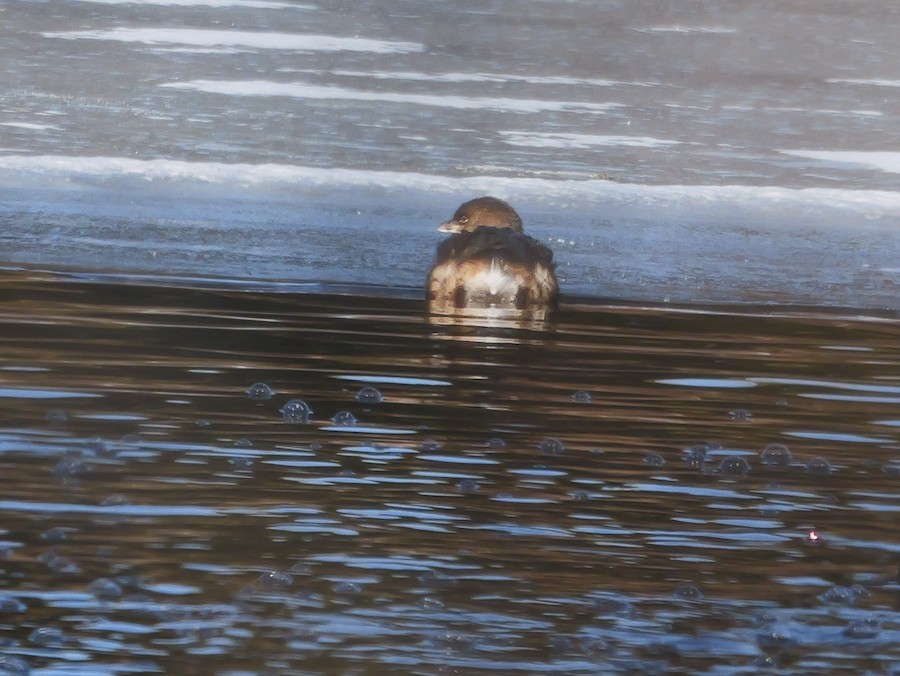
455 497
710 151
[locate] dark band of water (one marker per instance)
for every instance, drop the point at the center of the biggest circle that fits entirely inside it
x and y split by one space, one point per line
629 490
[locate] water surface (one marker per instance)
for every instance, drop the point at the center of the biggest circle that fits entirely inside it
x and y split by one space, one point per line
233 442
631 489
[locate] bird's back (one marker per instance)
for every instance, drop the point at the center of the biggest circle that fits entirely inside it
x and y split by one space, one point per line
492 267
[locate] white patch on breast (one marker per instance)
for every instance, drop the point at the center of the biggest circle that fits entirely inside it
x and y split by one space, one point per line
495 279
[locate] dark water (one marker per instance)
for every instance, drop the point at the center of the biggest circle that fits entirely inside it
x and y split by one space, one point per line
589 498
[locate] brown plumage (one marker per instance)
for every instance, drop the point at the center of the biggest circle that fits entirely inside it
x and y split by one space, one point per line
490 263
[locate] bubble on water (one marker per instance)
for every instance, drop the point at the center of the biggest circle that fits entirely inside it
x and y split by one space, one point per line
582 397
56 416
654 460
10 604
593 645
860 592
495 442
551 446
740 414
71 465
59 564
369 395
580 495
115 500
734 465
455 641
13 666
260 392
301 568
866 628
212 612
347 588
819 467
892 468
47 637
113 450
844 596
432 603
560 643
57 534
609 606
274 580
837 595
430 445
696 456
169 612
240 462
776 455
243 442
688 592
763 618
296 411
105 589
128 580
468 486
777 641
98 446
436 579
344 419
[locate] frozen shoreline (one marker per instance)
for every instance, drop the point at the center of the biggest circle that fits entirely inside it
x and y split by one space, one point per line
819 246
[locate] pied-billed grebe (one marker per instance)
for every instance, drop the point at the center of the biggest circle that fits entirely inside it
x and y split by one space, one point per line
490 263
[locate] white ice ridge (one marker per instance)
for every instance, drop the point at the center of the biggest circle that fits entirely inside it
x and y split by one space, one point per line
483 77
567 140
301 42
252 4
37 168
883 160
301 90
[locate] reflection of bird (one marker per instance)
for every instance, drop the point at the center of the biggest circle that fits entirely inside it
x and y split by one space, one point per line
490 263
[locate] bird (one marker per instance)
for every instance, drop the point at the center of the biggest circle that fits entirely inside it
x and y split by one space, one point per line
489 262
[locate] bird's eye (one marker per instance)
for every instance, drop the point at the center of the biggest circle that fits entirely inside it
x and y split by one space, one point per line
462 219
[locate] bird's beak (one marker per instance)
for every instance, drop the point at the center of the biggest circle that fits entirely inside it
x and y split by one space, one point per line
449 226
